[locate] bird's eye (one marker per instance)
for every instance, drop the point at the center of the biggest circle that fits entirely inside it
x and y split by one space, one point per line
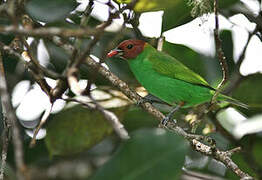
129 46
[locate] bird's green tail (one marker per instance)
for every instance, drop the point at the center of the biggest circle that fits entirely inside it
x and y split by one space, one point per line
232 101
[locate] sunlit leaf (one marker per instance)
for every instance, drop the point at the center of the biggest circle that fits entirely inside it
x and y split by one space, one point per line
149 154
50 10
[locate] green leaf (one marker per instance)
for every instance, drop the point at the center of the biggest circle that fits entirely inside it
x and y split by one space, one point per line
249 92
76 129
50 10
176 12
149 154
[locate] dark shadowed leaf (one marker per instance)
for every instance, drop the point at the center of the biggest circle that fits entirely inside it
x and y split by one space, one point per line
5 38
58 56
50 10
149 154
121 69
257 149
76 129
137 118
227 47
249 92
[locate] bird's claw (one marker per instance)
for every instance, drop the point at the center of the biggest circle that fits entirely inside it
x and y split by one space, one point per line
144 100
165 121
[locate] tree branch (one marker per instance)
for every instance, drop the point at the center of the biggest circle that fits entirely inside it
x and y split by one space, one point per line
221 156
49 32
12 121
220 54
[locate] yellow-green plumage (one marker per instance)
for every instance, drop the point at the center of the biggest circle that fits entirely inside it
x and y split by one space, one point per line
165 77
168 79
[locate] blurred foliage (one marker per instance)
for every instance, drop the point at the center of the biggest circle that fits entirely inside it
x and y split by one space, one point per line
79 128
6 39
77 133
249 95
149 154
136 118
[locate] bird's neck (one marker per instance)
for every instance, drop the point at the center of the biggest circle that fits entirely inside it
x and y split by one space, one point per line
141 66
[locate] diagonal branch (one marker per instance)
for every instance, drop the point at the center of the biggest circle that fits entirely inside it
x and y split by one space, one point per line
220 54
222 156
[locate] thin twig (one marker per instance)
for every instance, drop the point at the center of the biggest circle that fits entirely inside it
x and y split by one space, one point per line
86 14
11 118
222 156
220 54
49 32
160 43
36 71
47 72
41 123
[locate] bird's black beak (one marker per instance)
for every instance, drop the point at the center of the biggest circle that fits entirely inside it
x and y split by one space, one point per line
115 53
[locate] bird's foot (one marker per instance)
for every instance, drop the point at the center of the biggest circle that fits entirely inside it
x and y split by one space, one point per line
165 121
144 100
170 114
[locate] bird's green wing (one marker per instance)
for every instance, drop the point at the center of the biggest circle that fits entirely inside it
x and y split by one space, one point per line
169 66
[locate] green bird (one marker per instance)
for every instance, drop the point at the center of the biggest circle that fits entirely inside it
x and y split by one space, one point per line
165 77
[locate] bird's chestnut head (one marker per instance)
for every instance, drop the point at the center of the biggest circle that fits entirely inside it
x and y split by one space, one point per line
128 49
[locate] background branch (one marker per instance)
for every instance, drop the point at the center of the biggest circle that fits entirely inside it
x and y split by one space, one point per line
220 54
12 122
197 145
